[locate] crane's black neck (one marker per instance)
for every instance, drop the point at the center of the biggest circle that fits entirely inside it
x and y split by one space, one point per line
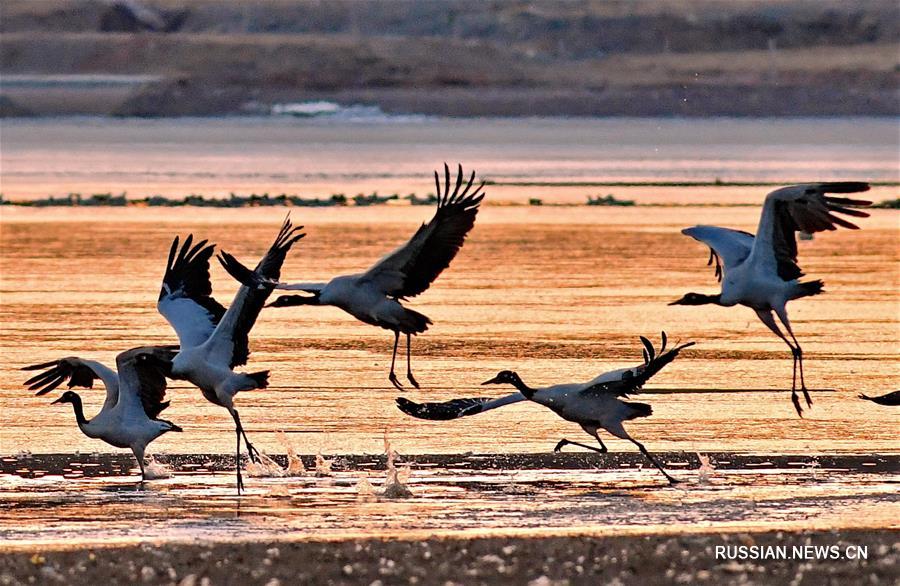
700 299
295 300
521 386
712 299
79 410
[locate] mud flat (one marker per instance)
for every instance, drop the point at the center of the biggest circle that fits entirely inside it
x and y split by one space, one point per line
637 559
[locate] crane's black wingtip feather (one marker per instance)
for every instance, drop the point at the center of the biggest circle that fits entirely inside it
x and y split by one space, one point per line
40 366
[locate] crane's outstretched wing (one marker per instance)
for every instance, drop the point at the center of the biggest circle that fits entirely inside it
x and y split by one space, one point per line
78 373
891 399
230 341
143 373
409 270
803 207
455 408
727 248
630 383
185 299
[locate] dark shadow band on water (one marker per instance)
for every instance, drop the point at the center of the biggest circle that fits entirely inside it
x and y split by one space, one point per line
103 465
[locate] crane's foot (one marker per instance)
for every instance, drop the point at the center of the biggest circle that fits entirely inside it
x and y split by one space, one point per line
393 378
412 380
795 399
252 452
564 442
806 396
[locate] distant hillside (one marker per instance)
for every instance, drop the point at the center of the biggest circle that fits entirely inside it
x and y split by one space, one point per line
461 57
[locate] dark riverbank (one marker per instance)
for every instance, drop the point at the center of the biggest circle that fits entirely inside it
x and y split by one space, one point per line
640 559
454 58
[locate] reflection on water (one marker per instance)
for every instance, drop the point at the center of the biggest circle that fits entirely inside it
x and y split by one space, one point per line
559 294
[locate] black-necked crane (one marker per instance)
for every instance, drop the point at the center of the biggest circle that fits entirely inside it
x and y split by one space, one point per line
890 399
594 405
135 391
761 271
374 297
214 340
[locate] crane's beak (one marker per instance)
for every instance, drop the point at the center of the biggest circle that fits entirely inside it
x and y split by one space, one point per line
678 302
60 400
494 381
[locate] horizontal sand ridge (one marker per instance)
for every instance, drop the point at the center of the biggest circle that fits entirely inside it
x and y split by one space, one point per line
99 465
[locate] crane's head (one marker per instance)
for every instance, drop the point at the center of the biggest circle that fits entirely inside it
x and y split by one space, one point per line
697 299
292 300
67 397
504 377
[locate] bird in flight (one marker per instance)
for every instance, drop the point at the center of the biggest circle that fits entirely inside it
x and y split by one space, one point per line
761 271
214 341
375 297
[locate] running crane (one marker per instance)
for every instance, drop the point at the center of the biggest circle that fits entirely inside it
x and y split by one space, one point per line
594 405
135 391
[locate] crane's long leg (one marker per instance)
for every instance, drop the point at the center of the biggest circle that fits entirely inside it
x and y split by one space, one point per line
139 456
409 374
251 450
237 453
564 442
782 315
237 462
617 430
393 377
767 318
653 460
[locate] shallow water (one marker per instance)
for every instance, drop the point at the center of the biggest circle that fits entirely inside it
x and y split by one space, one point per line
318 157
559 294
474 496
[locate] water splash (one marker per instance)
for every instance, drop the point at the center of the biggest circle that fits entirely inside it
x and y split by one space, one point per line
364 490
706 469
323 466
395 483
295 465
266 467
269 468
154 470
